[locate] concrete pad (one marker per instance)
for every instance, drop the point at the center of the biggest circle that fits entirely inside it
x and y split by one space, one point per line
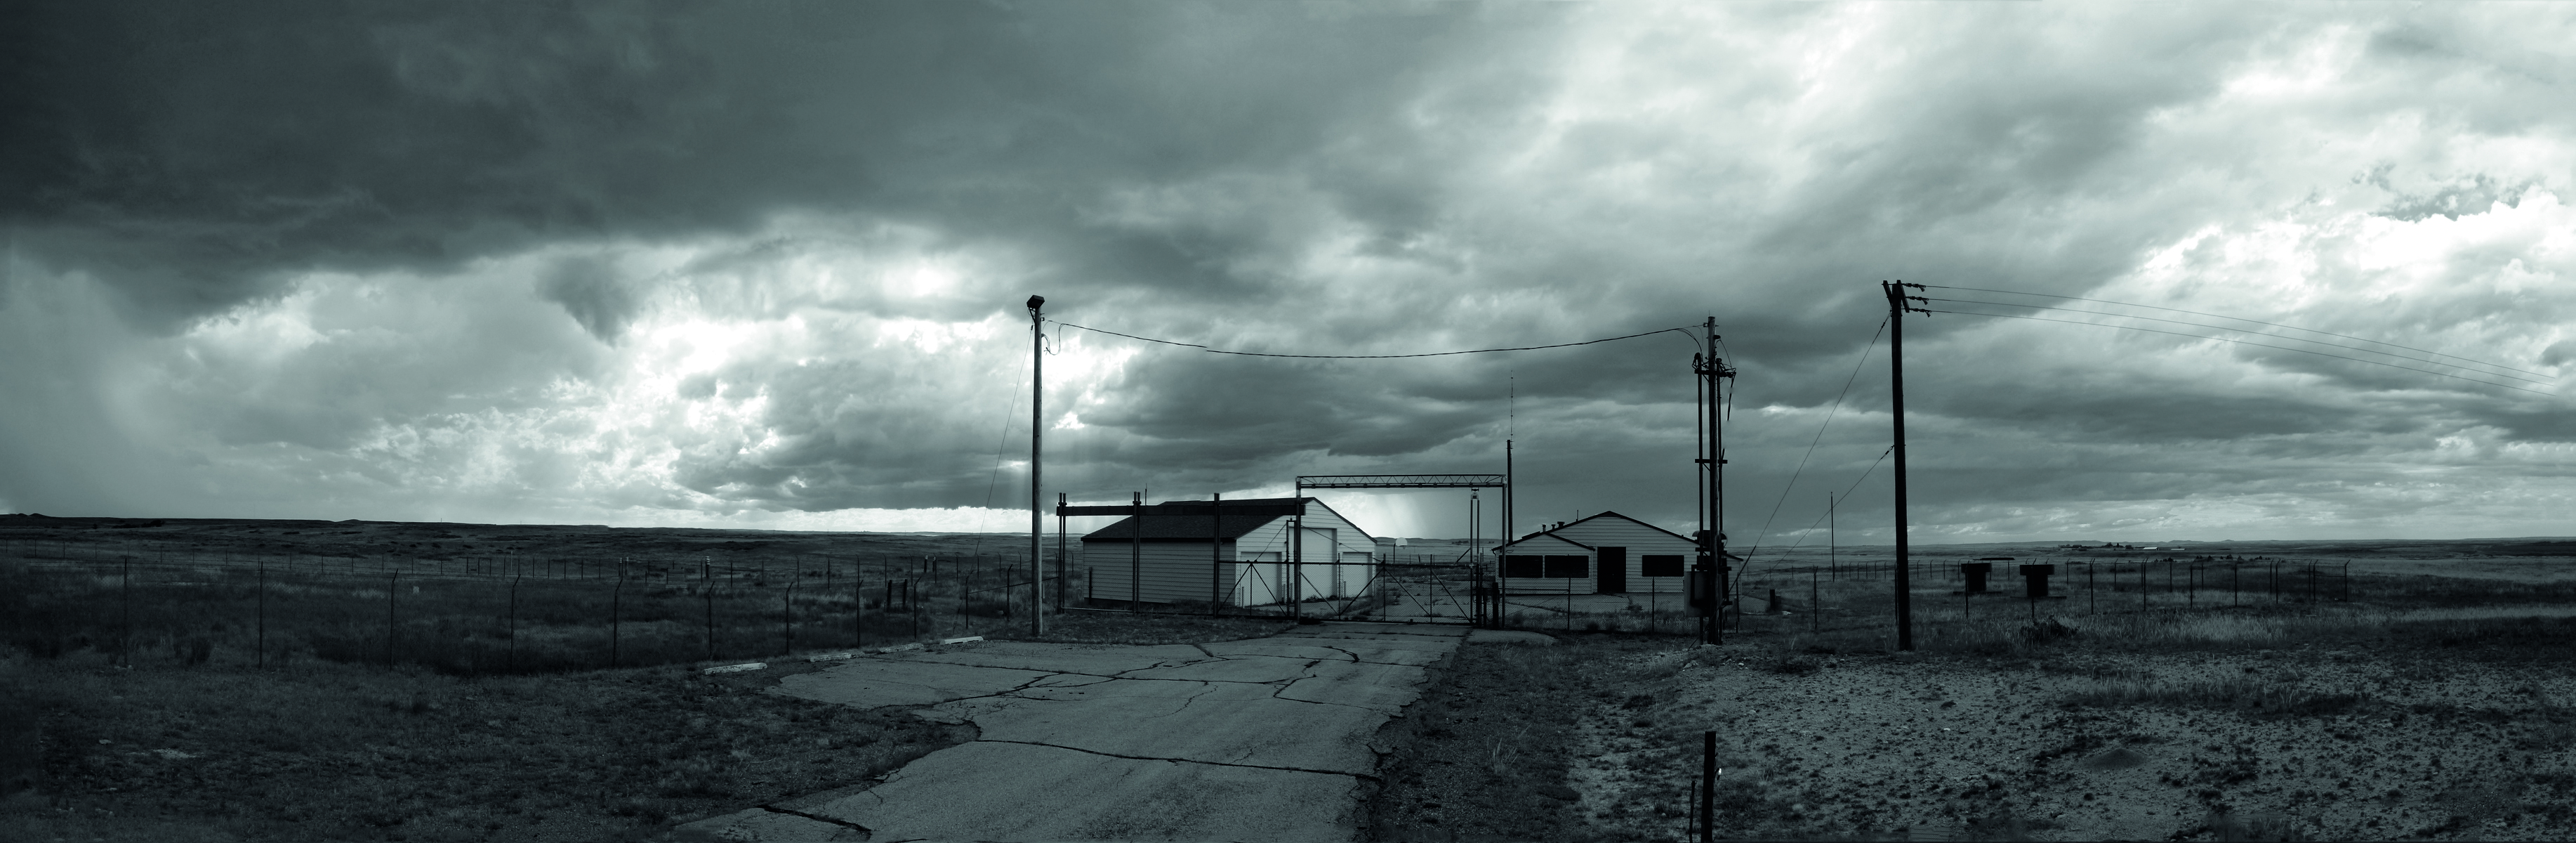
1095 659
761 824
1211 722
1410 651
1234 670
1366 628
1002 791
872 683
1510 636
1263 739
1384 688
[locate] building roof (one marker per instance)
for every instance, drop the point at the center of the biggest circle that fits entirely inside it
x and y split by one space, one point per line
1543 538
1188 521
1551 532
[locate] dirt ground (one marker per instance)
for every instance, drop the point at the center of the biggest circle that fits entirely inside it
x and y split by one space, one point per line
1955 748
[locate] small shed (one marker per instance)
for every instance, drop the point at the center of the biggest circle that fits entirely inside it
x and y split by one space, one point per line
1606 553
1196 552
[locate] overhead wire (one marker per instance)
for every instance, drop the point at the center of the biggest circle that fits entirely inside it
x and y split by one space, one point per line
1801 470
1009 416
2243 342
2260 334
1811 526
1374 356
2236 318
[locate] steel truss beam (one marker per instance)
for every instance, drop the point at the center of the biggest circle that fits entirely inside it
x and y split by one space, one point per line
1402 481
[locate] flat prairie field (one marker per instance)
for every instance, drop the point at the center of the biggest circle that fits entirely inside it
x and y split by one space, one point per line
208 680
2439 702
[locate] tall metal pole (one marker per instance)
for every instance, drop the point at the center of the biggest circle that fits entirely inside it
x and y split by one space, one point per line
1297 554
1502 575
1037 464
1063 574
1136 557
1216 552
1896 310
1716 483
1713 370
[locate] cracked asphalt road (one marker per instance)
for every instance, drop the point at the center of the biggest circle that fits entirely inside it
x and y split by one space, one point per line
1258 740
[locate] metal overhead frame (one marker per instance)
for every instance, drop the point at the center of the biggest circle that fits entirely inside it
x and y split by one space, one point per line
1297 536
1402 481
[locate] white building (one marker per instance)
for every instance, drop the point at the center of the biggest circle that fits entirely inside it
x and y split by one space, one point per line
1608 553
1182 555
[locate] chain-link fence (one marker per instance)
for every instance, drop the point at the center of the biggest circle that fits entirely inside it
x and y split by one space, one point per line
496 614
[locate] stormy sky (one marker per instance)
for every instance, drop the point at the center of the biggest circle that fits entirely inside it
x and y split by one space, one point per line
761 264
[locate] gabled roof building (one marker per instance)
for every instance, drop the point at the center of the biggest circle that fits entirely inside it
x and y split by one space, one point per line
1607 553
1178 553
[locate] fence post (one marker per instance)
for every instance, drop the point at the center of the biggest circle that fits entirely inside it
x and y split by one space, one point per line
616 597
787 618
262 641
515 579
125 640
393 585
1708 787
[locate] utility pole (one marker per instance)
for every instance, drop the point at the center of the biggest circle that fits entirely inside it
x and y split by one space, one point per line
1136 557
1896 310
1037 430
1063 575
1502 572
1712 553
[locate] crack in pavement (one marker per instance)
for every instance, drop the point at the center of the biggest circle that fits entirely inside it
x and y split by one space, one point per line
1185 701
817 818
1186 760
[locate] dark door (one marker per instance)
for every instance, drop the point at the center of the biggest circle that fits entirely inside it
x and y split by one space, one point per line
1614 570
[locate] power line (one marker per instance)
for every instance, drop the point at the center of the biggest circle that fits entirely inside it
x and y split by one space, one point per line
2243 342
1372 356
2256 333
1811 526
1820 437
2237 318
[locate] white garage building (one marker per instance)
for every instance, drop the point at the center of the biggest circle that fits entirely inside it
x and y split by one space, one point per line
1180 553
1608 553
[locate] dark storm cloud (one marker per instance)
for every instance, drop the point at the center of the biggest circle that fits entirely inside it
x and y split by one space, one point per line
593 295
198 150
573 199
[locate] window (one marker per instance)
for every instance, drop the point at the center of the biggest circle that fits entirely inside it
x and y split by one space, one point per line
1569 567
1521 567
1662 566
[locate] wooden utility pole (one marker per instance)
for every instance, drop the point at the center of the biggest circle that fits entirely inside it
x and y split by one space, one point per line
1037 455
1896 310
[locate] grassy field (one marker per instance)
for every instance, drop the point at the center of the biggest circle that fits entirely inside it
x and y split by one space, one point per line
218 750
473 600
326 751
426 682
2429 707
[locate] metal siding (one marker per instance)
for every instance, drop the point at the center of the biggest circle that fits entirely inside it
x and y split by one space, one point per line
1640 540
1336 554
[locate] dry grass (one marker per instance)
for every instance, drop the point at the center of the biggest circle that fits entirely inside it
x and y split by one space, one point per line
1480 755
163 752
